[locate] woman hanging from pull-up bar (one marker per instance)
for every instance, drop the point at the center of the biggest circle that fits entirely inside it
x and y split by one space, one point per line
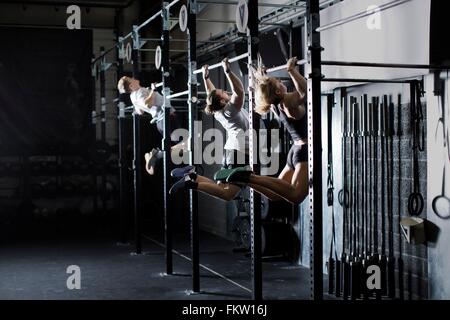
150 101
271 94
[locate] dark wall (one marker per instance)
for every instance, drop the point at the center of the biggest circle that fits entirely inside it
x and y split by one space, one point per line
46 92
439 46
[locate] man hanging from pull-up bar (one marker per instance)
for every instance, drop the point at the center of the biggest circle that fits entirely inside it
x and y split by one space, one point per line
229 112
150 101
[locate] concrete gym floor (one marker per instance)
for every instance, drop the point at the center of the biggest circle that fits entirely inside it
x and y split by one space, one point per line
37 270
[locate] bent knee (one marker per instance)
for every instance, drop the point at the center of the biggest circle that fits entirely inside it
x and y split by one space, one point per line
299 197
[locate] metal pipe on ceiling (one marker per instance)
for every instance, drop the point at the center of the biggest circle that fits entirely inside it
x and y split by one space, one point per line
90 4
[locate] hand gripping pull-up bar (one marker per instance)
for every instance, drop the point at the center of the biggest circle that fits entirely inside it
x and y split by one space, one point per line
282 67
217 65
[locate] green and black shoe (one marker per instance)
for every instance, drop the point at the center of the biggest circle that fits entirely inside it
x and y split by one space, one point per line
239 175
222 175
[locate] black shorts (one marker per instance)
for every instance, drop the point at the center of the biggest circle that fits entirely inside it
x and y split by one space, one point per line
234 158
296 155
174 124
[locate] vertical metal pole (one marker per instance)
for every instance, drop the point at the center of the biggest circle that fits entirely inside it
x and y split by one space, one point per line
137 161
123 223
255 198
103 124
314 74
165 68
122 163
193 196
94 126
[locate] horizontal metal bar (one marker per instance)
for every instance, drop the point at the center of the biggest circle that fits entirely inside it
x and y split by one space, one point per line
300 13
216 65
150 39
233 22
178 40
146 22
360 15
215 20
160 84
138 28
299 63
103 54
183 93
273 24
152 63
159 39
384 65
172 4
59 3
210 41
364 80
171 50
178 100
178 94
272 5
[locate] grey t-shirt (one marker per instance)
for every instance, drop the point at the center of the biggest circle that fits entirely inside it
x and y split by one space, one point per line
235 122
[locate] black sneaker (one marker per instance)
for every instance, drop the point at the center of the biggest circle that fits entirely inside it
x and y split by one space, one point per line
187 182
181 172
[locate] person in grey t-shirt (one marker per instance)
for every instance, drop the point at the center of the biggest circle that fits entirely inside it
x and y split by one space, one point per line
150 101
229 112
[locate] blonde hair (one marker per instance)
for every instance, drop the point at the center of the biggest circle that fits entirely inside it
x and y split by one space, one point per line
124 85
265 93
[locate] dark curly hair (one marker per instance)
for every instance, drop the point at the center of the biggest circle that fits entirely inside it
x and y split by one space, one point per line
213 102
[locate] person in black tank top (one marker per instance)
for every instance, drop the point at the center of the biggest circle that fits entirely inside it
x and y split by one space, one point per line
271 94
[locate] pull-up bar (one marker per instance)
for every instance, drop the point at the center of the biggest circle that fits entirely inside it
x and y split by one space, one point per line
299 63
178 94
179 39
384 65
183 93
272 5
216 65
146 22
160 84
367 65
364 80
360 15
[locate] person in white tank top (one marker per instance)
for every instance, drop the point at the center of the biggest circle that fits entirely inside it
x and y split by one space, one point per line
150 101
